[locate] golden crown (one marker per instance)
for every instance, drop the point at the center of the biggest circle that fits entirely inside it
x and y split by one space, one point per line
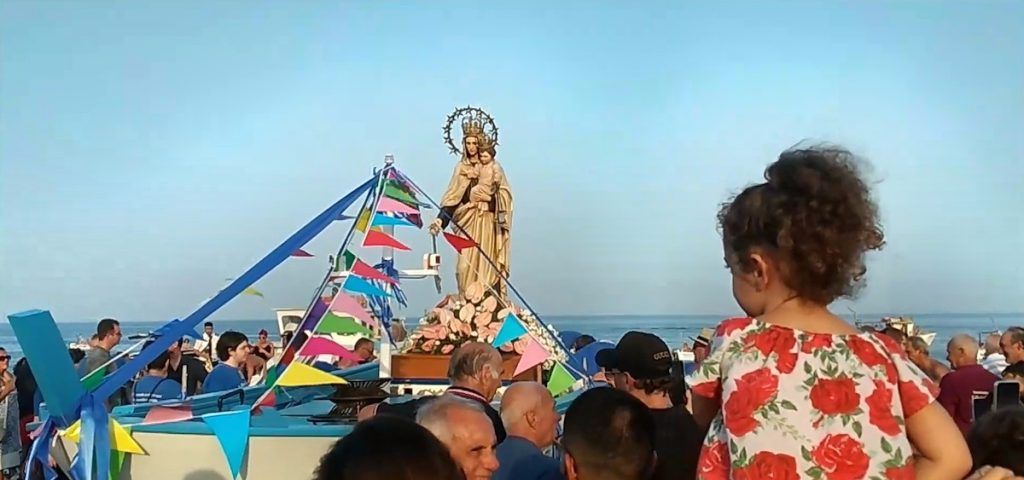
472 126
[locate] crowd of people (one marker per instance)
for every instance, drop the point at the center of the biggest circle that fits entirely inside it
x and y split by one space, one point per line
788 390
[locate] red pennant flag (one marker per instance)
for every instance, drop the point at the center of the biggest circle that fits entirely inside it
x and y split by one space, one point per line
301 253
269 400
457 242
376 238
364 270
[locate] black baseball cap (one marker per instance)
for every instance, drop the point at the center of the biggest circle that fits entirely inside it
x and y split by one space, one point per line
642 355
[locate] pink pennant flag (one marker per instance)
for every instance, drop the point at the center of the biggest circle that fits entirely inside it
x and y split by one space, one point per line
391 205
324 346
533 355
345 305
301 253
364 270
374 238
159 415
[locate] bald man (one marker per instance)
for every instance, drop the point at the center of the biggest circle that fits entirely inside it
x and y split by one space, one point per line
529 415
958 388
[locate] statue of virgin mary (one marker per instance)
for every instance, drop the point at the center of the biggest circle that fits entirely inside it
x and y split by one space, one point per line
478 205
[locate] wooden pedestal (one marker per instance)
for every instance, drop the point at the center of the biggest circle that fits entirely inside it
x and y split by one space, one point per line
422 366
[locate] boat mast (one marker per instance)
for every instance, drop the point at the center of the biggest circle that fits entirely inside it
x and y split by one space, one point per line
388 254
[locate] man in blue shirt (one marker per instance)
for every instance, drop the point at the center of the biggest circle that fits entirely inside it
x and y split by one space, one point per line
155 386
529 415
232 350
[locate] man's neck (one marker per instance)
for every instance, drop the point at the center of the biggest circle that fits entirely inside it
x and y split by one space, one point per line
231 362
472 386
657 400
528 436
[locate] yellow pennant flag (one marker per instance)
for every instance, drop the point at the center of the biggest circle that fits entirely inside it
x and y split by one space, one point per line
120 439
363 220
253 291
300 375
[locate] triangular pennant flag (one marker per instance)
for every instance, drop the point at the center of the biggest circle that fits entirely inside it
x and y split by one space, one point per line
342 217
332 323
375 238
381 220
345 305
392 191
232 431
363 220
253 291
116 462
386 204
560 380
344 262
355 284
458 243
122 441
158 414
325 346
92 380
511 329
299 374
533 355
366 271
301 253
269 399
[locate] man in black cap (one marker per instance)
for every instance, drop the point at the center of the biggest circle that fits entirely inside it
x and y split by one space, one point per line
641 365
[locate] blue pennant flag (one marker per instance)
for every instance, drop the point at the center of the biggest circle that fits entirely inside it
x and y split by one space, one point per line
355 284
232 431
511 329
380 220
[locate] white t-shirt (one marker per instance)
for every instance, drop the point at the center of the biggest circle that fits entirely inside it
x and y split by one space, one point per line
206 344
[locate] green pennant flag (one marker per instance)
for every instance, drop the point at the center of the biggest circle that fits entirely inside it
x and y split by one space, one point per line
392 191
560 380
93 380
332 323
345 261
117 460
272 375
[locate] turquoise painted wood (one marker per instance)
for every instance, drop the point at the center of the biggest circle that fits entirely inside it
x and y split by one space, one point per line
47 354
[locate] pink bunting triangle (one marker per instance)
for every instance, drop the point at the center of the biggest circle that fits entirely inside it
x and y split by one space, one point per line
158 415
301 253
345 305
533 355
325 346
375 238
391 205
364 270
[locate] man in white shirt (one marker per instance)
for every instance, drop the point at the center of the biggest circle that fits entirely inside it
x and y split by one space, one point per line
994 360
207 346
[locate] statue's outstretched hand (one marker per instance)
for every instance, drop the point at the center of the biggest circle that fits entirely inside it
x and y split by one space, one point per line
435 227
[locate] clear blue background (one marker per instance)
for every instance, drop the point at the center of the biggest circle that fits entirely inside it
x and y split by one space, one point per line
149 150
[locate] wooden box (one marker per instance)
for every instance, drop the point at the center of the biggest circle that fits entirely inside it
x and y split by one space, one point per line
423 366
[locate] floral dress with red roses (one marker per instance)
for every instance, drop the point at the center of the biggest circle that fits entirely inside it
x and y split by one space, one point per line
807 405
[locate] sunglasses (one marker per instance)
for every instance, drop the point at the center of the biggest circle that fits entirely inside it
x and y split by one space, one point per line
5 357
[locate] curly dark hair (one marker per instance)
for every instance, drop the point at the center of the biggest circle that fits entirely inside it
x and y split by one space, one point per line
813 215
997 439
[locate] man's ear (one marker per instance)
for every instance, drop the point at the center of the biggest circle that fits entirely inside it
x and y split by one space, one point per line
531 419
570 466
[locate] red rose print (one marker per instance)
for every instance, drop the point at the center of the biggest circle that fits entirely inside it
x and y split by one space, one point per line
768 466
912 398
731 325
867 352
710 389
815 341
753 391
890 343
714 462
905 472
775 340
880 409
841 457
835 396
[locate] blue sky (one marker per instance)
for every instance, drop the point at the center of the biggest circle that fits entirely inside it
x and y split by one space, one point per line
150 150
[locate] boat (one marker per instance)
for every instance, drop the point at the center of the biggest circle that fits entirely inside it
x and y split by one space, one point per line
268 431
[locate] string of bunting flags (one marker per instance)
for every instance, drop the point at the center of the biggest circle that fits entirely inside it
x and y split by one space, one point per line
535 354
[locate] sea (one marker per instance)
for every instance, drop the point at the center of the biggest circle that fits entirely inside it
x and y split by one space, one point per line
674 329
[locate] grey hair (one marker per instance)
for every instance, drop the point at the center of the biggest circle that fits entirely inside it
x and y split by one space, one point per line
1016 334
470 359
518 401
434 415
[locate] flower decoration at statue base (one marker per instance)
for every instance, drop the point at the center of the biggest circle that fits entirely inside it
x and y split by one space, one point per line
477 316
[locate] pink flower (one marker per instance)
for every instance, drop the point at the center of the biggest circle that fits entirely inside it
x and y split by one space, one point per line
445 350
